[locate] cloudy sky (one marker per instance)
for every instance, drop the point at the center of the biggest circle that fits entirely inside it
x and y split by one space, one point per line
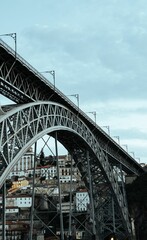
98 49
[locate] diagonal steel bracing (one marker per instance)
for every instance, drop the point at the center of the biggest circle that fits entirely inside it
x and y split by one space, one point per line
24 125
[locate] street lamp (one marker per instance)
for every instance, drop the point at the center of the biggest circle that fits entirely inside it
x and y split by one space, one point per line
77 97
138 159
108 128
117 138
94 113
52 72
126 146
14 36
133 154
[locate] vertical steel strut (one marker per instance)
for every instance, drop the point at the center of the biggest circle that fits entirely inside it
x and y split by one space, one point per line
60 199
4 212
33 194
91 195
70 197
113 213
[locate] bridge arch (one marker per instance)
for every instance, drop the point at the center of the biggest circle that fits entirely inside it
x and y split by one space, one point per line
21 126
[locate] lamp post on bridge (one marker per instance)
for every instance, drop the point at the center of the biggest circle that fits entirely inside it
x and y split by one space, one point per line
126 146
14 36
138 158
94 114
52 72
108 128
117 138
133 154
77 97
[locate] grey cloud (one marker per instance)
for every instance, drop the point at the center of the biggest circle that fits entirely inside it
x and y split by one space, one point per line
100 44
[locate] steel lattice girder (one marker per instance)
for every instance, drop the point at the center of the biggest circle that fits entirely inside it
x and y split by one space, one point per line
22 126
16 83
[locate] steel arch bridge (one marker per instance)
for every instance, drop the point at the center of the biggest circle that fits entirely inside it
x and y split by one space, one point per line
41 109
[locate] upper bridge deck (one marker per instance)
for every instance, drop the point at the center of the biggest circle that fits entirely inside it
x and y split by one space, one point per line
21 83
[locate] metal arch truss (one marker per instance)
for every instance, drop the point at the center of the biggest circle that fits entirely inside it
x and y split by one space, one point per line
23 125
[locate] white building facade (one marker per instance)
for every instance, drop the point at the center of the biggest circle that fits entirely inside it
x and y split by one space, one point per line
26 162
82 200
